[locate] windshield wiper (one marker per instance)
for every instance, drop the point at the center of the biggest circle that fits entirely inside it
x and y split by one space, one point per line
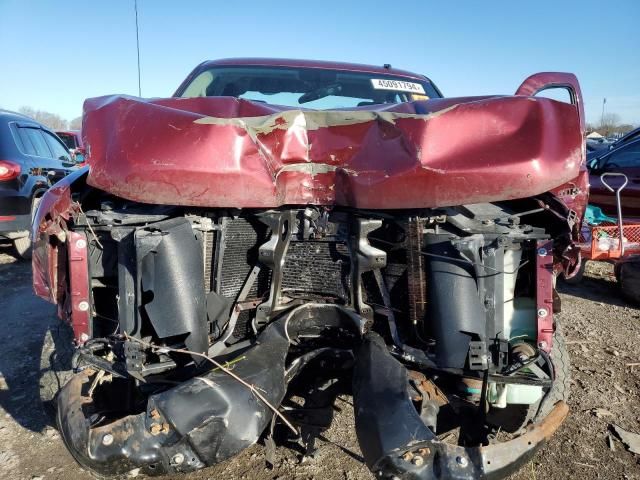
320 92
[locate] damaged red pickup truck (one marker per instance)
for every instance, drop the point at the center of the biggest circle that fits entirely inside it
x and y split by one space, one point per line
316 229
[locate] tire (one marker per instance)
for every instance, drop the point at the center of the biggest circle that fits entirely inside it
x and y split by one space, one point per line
577 278
562 370
22 245
514 418
55 363
628 276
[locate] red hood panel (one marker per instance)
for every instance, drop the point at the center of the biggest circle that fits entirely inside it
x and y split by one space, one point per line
225 152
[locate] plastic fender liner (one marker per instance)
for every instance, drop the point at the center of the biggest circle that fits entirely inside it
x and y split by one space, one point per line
203 420
392 435
170 269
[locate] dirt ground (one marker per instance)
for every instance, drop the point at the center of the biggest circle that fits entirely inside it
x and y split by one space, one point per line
603 334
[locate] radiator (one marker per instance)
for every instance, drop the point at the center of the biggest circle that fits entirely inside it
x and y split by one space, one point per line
320 268
311 268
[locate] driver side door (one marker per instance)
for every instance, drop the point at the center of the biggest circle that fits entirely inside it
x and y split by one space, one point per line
625 159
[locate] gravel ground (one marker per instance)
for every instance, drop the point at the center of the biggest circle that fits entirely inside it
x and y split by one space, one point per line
603 334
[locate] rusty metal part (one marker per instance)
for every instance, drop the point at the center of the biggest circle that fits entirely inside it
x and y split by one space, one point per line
416 281
523 351
499 457
158 428
424 451
392 435
428 389
471 389
239 307
248 305
407 456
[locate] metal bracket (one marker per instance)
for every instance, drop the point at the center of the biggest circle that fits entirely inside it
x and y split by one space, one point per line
367 258
391 318
235 312
478 358
272 254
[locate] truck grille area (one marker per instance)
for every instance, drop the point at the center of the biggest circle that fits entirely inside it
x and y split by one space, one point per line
241 239
318 268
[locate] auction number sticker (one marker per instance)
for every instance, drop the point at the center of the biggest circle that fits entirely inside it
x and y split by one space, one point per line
397 85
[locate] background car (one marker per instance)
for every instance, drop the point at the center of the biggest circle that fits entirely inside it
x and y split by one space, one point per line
73 140
598 147
625 158
626 138
32 158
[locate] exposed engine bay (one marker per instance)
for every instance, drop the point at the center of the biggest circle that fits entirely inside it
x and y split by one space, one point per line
437 321
230 267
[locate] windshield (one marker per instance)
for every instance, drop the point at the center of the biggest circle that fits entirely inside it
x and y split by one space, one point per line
314 88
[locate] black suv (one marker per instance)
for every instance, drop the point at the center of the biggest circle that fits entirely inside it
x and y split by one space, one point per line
32 158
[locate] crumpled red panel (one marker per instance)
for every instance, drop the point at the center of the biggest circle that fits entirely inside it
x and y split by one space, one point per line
226 152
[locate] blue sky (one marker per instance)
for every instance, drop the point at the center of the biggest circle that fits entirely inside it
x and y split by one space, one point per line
56 53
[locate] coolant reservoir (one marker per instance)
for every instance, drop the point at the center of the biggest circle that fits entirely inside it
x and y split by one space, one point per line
520 313
500 395
523 394
520 322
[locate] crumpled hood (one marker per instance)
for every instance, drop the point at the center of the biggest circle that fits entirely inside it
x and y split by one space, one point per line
226 152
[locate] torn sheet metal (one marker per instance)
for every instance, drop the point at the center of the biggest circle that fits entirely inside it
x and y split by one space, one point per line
55 209
201 421
395 443
228 152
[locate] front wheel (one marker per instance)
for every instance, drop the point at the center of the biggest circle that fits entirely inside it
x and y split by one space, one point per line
515 417
628 276
22 245
577 278
562 372
55 362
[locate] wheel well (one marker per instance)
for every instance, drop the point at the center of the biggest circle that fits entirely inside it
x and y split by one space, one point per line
38 193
